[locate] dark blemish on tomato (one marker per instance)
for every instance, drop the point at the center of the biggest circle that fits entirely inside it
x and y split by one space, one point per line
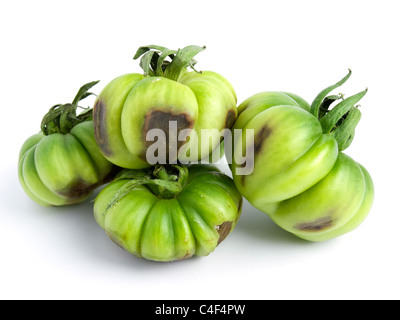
259 142
77 190
316 225
100 130
223 230
230 119
260 138
160 119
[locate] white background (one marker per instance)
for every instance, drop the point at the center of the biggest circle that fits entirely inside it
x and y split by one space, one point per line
50 48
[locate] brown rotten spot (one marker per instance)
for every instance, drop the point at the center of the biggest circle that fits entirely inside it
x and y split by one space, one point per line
316 225
100 130
230 119
259 142
223 230
260 138
76 190
159 119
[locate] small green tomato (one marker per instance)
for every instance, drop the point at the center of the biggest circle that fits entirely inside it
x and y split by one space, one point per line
62 164
169 213
191 108
298 173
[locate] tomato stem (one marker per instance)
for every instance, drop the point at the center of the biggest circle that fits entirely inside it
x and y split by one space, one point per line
166 182
341 120
332 118
61 118
162 62
344 134
326 103
316 104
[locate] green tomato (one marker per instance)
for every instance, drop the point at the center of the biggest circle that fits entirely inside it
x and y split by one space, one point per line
180 103
62 164
169 213
299 174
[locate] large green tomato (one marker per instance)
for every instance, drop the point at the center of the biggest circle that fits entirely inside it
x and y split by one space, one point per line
62 164
298 174
190 108
169 213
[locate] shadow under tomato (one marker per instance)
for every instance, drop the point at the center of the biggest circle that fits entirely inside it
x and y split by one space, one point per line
256 224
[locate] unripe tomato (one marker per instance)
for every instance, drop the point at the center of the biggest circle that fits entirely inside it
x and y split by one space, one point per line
169 213
62 164
299 174
191 108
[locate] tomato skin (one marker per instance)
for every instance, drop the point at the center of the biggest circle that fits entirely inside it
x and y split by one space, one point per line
193 222
299 178
334 206
61 169
131 105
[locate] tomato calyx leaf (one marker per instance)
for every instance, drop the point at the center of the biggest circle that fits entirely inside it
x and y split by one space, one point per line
340 120
326 103
165 182
163 62
61 118
316 104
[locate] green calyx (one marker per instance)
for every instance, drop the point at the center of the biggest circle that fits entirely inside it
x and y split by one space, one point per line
166 182
342 119
163 62
61 118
